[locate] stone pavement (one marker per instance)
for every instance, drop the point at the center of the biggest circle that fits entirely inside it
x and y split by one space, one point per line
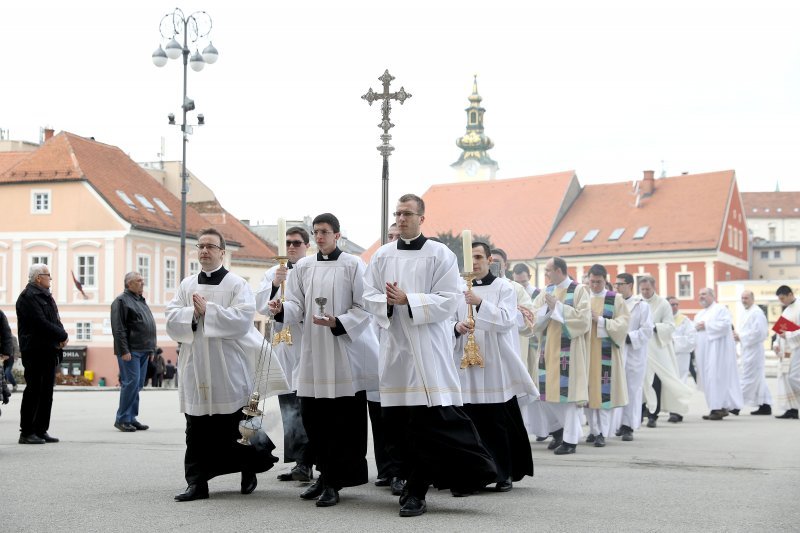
738 474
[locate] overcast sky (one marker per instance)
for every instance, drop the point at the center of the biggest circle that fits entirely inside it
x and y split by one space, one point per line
605 88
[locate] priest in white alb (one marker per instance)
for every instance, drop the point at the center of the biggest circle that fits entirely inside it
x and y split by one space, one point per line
338 360
683 339
715 354
787 346
751 332
412 288
211 317
492 394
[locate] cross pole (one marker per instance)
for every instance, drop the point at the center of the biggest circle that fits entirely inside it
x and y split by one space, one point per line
385 148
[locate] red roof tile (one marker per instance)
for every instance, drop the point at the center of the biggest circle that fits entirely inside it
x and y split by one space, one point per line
253 247
771 204
684 213
9 159
517 214
68 157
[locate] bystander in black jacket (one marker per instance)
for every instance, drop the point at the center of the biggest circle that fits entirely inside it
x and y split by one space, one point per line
6 346
133 324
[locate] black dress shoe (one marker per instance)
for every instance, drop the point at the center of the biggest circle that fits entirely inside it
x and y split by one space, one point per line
504 486
328 498
600 441
383 482
47 438
457 493
565 449
139 426
715 414
124 426
313 491
789 414
541 439
249 482
651 422
590 439
619 431
286 476
675 418
413 507
302 472
735 412
398 485
558 436
195 491
763 409
31 439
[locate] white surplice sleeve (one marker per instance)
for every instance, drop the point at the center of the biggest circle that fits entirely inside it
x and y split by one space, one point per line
180 314
233 321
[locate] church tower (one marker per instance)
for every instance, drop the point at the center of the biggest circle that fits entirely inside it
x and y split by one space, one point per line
474 164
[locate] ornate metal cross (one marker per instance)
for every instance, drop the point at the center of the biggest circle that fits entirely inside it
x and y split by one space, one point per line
385 148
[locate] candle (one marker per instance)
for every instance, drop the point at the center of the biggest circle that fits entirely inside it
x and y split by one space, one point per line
466 241
282 237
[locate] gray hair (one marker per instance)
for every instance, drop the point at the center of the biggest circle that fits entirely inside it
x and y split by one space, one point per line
648 279
35 270
129 277
710 291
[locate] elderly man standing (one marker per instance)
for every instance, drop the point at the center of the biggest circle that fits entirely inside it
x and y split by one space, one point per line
716 357
41 340
212 317
751 333
134 331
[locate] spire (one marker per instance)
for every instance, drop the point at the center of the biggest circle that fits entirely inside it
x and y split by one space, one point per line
474 143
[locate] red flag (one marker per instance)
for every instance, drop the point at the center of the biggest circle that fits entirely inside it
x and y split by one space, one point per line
78 285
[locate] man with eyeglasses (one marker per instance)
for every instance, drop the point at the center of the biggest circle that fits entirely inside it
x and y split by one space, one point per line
684 341
295 440
412 288
663 387
338 363
628 418
41 340
212 317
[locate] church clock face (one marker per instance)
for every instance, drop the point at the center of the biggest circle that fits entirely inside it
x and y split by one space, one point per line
471 167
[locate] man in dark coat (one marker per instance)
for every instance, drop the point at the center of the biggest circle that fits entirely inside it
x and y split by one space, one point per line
41 339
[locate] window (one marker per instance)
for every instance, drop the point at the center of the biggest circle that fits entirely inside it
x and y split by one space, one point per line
169 273
41 259
40 202
87 268
145 202
83 331
589 237
641 232
143 268
194 268
776 254
163 206
567 237
685 289
126 199
616 234
764 254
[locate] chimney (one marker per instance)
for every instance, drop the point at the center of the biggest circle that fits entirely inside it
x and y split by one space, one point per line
648 185
48 133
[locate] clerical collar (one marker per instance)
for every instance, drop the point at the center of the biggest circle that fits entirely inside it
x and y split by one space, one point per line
212 278
486 280
289 265
599 294
333 256
411 244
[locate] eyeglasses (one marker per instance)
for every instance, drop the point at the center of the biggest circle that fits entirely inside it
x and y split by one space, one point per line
405 214
296 244
318 232
211 247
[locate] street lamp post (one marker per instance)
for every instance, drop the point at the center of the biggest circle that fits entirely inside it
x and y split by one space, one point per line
192 27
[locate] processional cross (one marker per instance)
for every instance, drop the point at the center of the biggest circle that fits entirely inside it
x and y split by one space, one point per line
385 148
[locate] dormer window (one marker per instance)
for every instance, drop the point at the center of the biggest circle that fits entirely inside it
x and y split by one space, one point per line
641 232
589 237
616 234
567 237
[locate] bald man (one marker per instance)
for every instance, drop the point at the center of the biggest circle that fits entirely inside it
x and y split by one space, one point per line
751 332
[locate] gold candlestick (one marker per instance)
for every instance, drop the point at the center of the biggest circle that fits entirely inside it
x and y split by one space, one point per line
472 353
284 335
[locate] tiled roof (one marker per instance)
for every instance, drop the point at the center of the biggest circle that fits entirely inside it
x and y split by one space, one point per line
68 157
253 247
771 204
684 213
9 159
517 214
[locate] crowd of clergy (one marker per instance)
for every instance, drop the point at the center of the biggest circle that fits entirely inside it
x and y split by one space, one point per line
458 372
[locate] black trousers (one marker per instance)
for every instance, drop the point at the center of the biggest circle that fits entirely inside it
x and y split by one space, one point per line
37 399
337 431
296 448
437 445
657 389
212 450
502 430
387 467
